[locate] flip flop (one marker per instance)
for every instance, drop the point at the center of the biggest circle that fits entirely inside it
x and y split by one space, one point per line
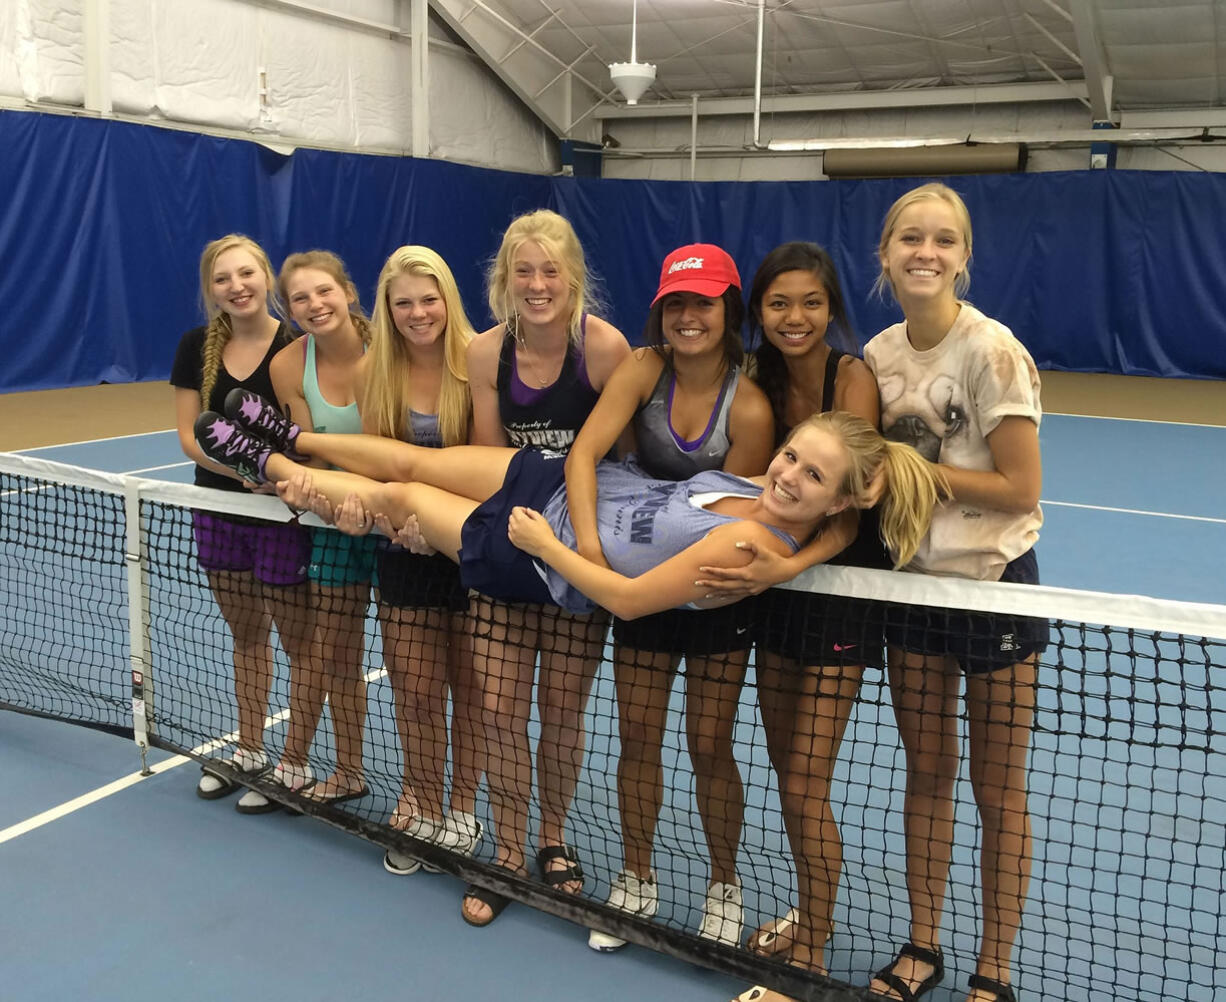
496 903
339 798
768 936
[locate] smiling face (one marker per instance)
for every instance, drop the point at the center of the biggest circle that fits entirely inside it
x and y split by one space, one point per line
925 252
692 324
318 302
539 286
795 312
804 482
417 309
238 284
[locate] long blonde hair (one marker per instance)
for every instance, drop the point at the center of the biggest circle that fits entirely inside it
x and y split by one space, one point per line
386 394
219 328
934 191
557 238
914 486
329 263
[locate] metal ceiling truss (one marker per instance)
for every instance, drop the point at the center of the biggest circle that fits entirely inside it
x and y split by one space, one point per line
549 85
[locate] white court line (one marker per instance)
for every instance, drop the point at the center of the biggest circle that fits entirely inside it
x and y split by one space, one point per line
1136 511
91 441
155 469
125 473
1137 420
70 806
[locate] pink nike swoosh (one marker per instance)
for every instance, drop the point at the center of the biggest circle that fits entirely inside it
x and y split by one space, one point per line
839 648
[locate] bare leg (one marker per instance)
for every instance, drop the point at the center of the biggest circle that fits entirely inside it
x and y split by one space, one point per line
473 471
504 657
306 702
415 651
1000 707
294 613
341 631
643 680
237 594
925 696
778 689
569 664
712 692
467 732
778 686
293 610
827 696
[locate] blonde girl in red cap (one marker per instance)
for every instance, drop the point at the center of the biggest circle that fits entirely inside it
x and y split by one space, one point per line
690 409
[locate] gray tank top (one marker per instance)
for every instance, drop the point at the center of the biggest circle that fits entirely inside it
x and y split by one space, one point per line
644 521
665 454
424 430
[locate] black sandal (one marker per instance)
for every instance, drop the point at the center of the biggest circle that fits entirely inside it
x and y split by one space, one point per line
1002 991
933 958
555 878
494 901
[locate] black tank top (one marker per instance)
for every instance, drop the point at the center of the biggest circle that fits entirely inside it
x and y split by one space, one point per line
548 418
866 550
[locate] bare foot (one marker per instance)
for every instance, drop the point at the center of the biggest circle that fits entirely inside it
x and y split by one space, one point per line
335 787
480 906
406 812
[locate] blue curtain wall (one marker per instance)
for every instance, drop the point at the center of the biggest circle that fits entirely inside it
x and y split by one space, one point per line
102 223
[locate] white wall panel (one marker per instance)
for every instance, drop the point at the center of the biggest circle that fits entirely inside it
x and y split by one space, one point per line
48 50
10 79
205 62
308 80
1207 158
473 118
381 92
133 57
199 62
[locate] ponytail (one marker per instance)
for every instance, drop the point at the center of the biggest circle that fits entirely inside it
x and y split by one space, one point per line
914 488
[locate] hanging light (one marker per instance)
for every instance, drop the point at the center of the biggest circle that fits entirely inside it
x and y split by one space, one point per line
633 78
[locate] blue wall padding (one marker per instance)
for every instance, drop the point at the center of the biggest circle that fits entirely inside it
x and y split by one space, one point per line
102 223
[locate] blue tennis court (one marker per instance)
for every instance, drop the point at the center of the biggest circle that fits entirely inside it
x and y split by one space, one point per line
147 892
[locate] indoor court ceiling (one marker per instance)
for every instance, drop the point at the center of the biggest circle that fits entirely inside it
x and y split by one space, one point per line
1135 63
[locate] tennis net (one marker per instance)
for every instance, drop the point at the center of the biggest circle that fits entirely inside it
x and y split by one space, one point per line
1126 768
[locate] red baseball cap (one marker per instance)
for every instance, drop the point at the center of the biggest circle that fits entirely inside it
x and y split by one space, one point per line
701 268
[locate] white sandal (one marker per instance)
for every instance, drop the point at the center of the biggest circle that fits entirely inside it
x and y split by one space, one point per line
772 931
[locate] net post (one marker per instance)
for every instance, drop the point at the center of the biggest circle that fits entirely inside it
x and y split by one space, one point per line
138 605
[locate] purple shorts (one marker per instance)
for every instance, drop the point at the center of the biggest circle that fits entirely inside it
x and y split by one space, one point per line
276 553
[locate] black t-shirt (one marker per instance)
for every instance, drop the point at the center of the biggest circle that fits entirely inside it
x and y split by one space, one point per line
187 372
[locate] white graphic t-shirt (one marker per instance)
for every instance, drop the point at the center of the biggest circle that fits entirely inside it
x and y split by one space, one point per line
945 402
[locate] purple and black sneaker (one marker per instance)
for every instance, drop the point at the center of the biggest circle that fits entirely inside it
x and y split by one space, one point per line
228 445
261 417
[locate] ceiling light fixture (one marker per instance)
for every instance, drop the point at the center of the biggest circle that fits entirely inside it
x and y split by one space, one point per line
633 78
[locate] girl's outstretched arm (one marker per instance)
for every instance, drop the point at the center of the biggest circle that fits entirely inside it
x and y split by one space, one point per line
766 568
669 585
629 385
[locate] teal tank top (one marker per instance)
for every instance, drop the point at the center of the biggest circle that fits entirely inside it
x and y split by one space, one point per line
325 416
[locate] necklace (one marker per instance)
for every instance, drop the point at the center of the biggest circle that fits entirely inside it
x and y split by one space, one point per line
538 381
